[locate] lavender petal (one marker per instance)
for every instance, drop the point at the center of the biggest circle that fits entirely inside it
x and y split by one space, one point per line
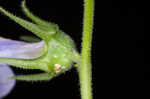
19 49
5 85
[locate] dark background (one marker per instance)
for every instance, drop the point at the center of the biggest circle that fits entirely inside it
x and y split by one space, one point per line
120 54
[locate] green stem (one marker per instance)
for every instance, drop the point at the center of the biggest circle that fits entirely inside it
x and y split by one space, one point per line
85 71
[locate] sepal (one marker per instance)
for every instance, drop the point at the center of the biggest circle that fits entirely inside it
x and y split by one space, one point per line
44 32
33 77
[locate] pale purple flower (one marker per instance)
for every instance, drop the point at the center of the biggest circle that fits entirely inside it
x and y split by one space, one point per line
5 85
15 49
19 49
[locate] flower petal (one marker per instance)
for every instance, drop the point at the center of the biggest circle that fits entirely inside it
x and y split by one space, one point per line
5 85
20 49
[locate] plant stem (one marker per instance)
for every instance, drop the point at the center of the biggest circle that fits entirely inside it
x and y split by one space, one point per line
85 71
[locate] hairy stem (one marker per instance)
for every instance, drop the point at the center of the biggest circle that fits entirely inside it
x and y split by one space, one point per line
85 71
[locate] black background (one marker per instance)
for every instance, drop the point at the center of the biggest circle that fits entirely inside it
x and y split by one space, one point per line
120 54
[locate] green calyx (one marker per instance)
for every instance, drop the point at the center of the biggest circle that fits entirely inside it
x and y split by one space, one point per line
59 52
